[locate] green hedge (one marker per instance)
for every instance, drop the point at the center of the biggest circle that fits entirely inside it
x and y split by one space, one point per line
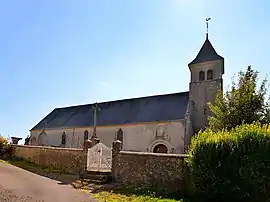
231 165
6 150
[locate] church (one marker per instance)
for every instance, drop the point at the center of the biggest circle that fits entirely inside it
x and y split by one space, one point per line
160 124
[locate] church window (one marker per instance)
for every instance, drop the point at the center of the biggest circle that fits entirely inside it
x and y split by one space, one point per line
119 135
33 141
64 138
201 76
209 74
42 138
86 134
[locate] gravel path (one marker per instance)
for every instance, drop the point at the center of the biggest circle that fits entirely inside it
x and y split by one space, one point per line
18 185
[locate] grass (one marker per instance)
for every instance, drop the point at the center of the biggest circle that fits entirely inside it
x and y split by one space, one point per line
27 165
117 193
3 161
119 197
55 174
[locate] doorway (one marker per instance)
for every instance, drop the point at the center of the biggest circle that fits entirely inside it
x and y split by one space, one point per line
160 148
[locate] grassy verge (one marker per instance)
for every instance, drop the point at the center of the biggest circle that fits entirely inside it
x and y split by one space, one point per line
3 161
51 173
27 165
123 197
116 193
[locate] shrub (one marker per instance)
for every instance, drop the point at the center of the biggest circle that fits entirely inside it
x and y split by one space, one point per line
3 143
231 165
9 150
5 148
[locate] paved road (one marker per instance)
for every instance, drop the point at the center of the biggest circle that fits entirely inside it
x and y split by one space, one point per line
18 185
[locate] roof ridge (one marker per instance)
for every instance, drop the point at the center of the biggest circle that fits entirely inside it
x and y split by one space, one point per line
121 100
170 106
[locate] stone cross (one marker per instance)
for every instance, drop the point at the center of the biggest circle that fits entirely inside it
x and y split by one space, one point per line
44 125
95 110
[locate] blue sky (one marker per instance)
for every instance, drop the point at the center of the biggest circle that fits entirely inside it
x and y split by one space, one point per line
57 53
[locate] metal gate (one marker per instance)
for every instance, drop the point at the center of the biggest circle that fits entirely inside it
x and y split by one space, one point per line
99 158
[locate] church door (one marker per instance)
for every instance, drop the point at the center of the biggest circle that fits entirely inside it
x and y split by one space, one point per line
160 148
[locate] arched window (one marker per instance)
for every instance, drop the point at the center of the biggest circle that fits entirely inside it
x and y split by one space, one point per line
42 139
201 76
209 74
33 141
119 135
86 135
64 138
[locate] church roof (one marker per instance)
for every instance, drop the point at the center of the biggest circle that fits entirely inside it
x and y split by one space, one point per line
145 109
206 53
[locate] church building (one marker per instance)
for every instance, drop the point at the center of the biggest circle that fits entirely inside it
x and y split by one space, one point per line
160 123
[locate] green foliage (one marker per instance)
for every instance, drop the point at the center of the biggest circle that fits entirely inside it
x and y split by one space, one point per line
5 148
3 143
121 197
244 103
231 165
9 150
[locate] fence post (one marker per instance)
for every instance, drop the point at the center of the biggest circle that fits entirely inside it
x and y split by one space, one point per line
116 148
87 144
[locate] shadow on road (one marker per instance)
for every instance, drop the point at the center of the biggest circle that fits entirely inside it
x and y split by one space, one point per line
64 178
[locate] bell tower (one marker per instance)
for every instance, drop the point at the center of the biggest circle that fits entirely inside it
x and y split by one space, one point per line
206 72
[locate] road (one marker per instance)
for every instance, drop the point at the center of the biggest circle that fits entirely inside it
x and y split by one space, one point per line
18 185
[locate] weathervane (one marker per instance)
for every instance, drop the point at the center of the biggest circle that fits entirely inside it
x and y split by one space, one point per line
207 19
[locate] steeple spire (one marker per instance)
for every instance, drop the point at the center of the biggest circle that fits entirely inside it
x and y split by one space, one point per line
207 19
207 52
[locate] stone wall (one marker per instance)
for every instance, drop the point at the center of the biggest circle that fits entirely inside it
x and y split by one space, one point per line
160 173
63 159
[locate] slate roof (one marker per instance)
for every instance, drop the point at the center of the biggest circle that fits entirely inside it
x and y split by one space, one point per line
145 109
206 53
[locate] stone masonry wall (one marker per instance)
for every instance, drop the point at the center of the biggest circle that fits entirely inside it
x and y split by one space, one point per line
64 159
161 173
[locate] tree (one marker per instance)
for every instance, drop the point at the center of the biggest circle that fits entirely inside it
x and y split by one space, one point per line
244 103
